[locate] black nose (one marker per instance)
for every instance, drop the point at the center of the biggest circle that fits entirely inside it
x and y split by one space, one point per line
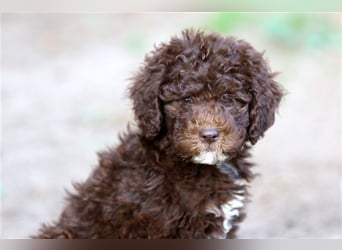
209 134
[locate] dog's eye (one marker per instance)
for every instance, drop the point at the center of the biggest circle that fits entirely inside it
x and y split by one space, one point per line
236 103
225 98
187 99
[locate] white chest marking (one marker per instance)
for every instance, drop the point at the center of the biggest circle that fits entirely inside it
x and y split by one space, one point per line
228 211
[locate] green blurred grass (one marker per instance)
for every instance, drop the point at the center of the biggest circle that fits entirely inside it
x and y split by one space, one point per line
289 29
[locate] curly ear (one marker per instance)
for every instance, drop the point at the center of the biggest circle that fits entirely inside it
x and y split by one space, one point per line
266 96
144 92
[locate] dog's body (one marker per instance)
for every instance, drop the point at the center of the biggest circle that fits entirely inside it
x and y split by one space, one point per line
199 101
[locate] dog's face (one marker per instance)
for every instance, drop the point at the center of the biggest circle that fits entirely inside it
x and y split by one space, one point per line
208 125
207 95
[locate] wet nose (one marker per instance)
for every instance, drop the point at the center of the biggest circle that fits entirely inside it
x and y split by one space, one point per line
209 134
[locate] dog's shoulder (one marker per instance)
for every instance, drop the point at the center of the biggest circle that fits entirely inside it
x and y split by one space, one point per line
128 153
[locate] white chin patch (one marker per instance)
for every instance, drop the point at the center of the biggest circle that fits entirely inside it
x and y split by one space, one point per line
210 158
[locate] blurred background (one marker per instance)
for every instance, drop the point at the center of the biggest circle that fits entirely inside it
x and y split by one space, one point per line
63 98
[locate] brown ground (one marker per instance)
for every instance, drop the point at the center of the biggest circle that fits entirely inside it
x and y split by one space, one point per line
63 99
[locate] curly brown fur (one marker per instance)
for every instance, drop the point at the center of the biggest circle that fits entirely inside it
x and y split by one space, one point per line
200 101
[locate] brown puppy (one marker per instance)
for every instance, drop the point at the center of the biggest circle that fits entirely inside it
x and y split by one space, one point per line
200 102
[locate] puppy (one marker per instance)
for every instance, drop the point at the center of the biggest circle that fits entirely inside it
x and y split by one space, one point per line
200 102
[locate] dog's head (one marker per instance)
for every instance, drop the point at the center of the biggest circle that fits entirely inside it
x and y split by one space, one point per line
206 93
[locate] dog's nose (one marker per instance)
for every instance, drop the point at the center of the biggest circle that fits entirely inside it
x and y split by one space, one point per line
209 134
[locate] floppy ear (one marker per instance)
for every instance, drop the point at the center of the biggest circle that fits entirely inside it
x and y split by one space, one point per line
266 95
144 93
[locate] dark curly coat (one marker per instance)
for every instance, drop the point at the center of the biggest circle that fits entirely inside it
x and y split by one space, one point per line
200 102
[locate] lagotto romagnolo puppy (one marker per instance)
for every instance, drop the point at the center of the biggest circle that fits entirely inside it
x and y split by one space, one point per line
200 102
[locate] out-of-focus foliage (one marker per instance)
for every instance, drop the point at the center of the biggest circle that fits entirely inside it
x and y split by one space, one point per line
225 22
136 42
287 29
301 29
